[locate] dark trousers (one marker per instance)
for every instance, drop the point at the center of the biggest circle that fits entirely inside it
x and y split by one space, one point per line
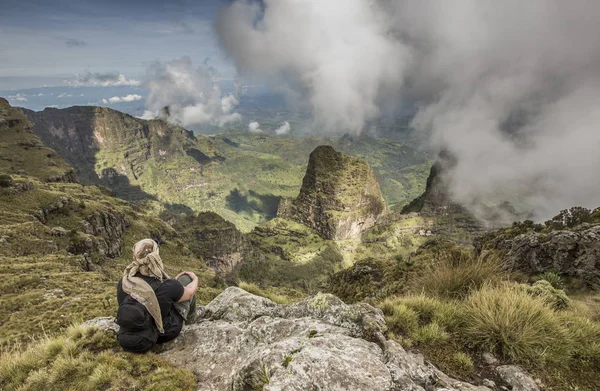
187 309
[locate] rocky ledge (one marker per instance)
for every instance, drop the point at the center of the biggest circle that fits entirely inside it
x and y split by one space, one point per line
247 342
572 252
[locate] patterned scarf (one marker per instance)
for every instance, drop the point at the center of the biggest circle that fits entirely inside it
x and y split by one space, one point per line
147 262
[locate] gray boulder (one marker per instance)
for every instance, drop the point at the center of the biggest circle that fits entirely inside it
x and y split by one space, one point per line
517 378
246 342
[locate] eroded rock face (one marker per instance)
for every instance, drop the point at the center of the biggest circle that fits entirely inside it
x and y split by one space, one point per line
574 252
81 134
217 241
246 342
339 198
436 201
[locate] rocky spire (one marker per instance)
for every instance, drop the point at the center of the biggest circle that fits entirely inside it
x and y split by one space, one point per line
339 198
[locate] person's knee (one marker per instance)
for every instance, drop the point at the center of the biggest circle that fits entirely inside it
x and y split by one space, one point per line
184 279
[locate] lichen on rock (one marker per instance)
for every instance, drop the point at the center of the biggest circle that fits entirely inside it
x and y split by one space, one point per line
246 342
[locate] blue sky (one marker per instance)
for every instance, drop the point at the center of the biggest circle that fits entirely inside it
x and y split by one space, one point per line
45 41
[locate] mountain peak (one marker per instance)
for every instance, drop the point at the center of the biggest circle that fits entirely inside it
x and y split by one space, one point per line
339 197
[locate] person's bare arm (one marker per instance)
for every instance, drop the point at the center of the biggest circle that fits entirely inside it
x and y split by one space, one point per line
191 288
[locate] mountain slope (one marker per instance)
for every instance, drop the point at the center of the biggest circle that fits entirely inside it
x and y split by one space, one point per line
22 152
63 245
240 176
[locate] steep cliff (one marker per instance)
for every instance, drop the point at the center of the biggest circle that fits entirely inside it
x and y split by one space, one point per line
22 152
120 151
339 197
436 200
213 239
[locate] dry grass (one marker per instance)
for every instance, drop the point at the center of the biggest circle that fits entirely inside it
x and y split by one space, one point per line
518 326
455 276
87 359
281 296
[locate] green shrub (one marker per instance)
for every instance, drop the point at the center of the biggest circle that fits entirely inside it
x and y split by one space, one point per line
556 298
432 334
463 362
399 317
454 277
508 321
421 319
554 278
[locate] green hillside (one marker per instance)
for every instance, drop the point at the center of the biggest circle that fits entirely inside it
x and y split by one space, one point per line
240 176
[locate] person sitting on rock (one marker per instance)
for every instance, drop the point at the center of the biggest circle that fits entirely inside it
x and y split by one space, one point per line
152 307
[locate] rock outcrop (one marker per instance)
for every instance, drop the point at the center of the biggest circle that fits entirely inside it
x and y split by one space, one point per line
246 342
213 239
572 252
339 198
436 200
447 217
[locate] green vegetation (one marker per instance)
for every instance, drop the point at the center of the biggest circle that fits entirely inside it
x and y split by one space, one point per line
287 254
87 358
464 306
241 176
516 325
64 247
23 153
556 298
554 278
463 362
455 275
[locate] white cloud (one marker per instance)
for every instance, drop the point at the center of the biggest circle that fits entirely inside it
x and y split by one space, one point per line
254 127
509 88
337 55
119 99
189 94
283 129
19 97
89 79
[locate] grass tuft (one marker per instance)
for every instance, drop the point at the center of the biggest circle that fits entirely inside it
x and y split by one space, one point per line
463 362
456 275
510 322
88 359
